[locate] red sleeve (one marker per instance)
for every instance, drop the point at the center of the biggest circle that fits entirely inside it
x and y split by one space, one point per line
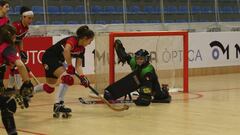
17 26
72 41
3 21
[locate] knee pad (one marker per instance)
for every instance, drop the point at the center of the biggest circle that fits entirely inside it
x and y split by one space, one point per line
48 88
67 79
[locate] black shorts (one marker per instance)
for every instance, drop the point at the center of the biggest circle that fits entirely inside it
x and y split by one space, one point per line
51 62
2 71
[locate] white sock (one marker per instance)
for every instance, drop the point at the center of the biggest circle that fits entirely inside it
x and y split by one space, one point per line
61 92
11 81
18 80
38 88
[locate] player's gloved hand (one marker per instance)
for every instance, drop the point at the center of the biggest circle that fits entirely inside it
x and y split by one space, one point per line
23 55
26 89
121 53
84 81
70 69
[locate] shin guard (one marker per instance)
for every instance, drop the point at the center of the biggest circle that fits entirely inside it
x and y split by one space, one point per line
122 87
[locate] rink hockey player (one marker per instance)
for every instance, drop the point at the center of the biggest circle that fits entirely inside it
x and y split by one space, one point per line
55 67
22 26
8 57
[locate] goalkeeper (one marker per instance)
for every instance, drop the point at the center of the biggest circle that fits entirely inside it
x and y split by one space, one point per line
150 90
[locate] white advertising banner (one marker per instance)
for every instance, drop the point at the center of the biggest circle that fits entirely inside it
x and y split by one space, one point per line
206 49
213 49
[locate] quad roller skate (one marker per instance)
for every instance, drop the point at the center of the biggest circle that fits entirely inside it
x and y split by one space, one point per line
59 109
11 92
19 101
164 96
23 102
23 98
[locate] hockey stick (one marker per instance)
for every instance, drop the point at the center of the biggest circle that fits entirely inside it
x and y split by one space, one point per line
125 107
32 75
89 102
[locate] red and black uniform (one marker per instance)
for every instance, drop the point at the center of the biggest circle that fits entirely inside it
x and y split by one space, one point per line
7 54
53 58
7 105
21 31
3 21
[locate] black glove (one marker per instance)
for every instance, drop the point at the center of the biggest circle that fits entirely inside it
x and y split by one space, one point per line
84 81
26 89
23 56
121 53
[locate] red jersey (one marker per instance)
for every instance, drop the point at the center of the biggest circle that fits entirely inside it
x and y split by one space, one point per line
3 21
21 31
8 54
76 51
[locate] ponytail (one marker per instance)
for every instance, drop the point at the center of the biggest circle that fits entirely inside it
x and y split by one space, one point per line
84 31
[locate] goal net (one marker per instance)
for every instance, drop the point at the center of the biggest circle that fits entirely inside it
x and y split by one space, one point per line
168 50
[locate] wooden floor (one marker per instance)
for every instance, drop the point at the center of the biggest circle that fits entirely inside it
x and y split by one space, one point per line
211 108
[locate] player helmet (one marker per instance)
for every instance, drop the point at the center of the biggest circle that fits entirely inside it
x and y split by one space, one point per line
143 53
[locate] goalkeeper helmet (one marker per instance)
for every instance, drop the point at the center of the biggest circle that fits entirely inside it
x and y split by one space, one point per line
143 53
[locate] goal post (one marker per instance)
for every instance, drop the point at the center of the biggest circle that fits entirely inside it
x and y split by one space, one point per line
168 50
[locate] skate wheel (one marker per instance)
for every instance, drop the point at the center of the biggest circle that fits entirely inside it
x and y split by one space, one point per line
55 115
66 115
26 105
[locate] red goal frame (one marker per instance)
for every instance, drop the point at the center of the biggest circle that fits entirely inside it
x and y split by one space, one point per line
113 35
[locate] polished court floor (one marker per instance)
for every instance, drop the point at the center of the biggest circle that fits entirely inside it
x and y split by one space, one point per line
211 108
